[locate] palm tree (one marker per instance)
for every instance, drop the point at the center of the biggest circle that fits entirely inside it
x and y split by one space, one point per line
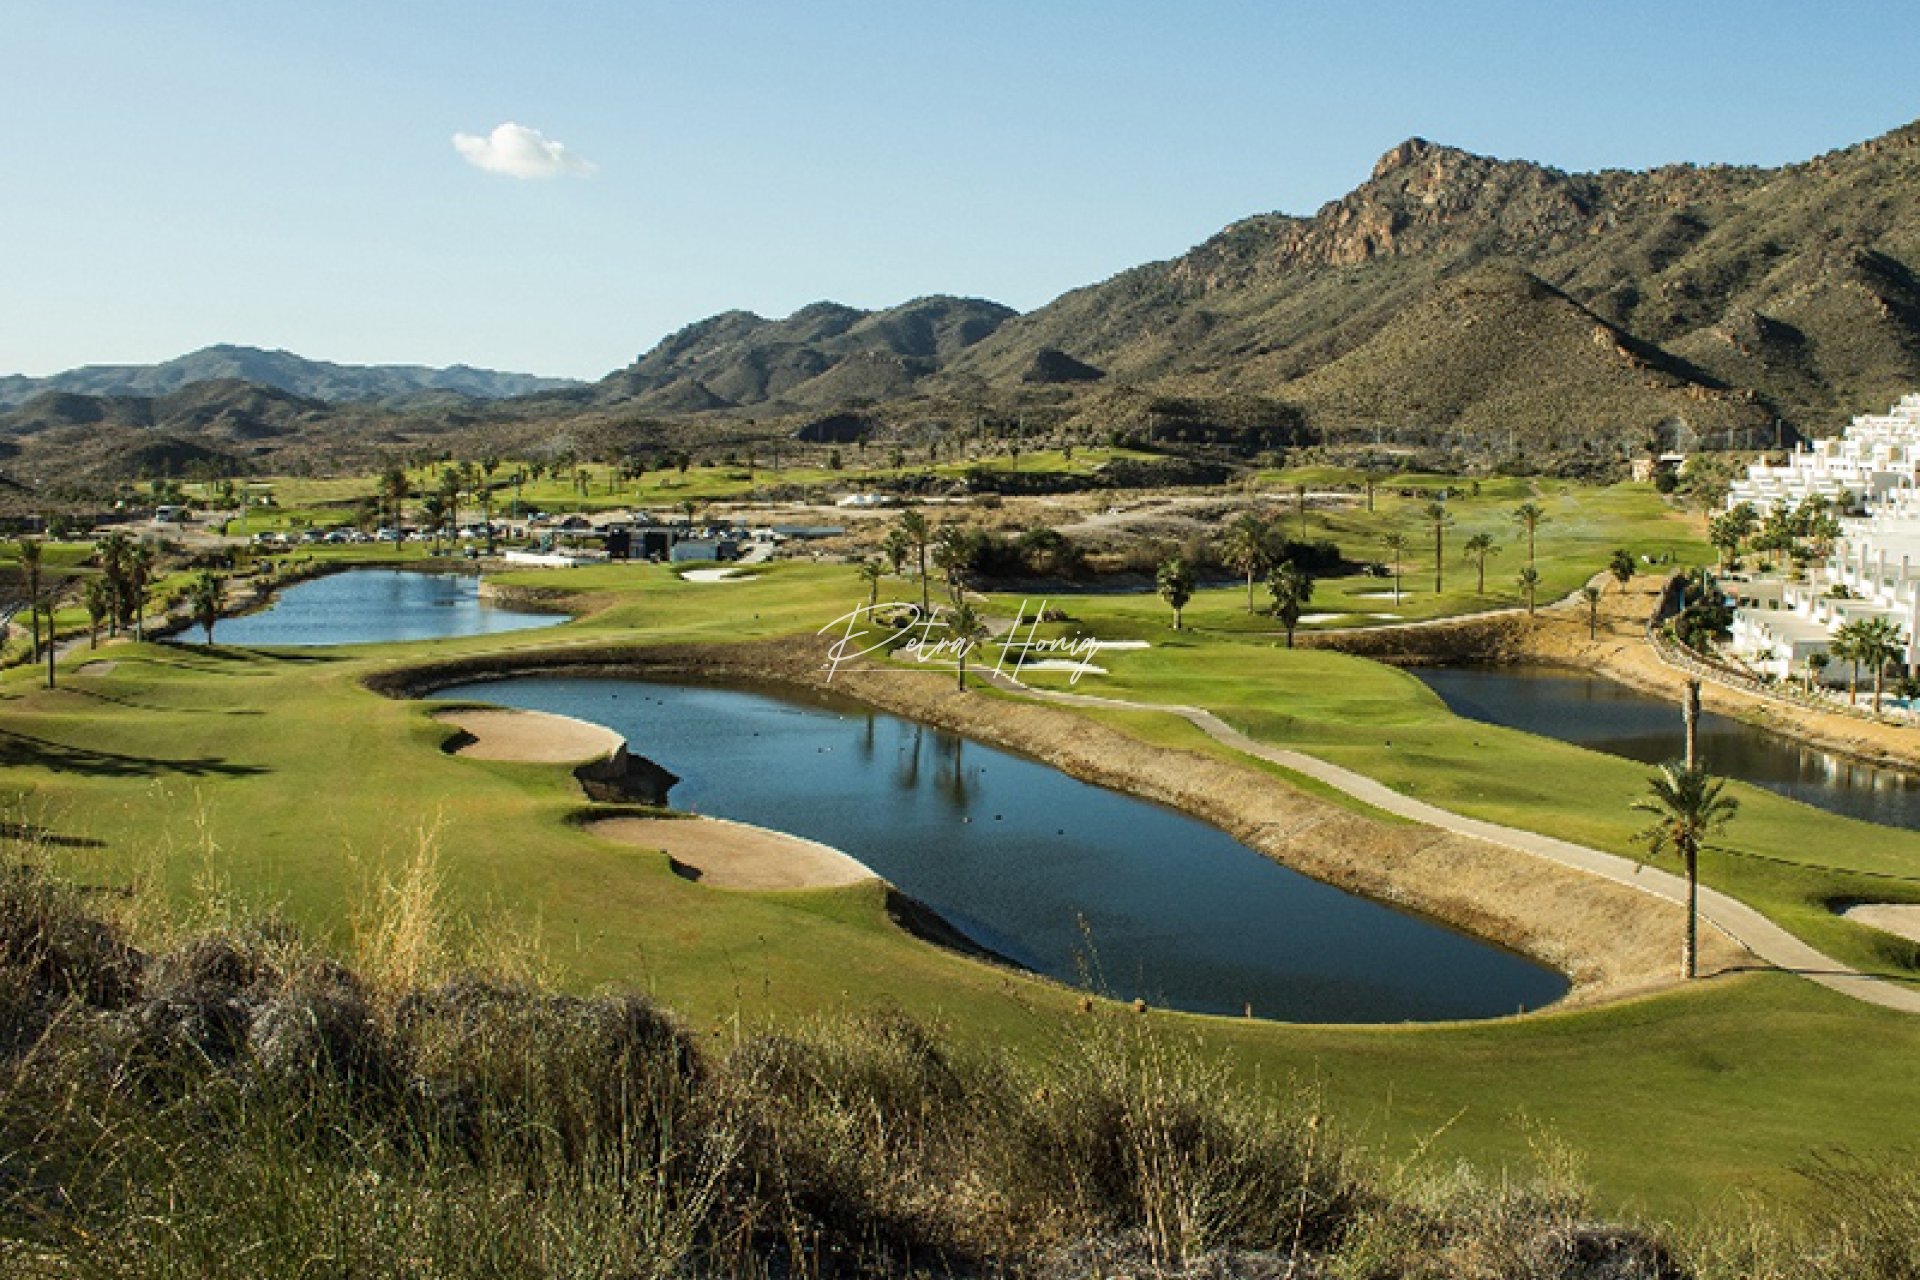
1438 518
872 570
1396 543
1591 594
895 547
1880 644
1245 548
968 628
31 552
1621 566
1846 644
140 559
1175 583
433 510
98 598
488 466
203 600
1292 589
1817 664
114 554
951 557
394 491
914 525
1529 517
1688 806
1477 548
1529 580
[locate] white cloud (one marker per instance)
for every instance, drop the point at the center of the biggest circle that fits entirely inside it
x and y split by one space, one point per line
519 152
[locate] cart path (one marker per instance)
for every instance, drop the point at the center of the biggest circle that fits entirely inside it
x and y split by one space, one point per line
1738 921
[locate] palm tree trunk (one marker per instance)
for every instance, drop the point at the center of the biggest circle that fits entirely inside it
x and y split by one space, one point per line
1690 952
1482 589
1690 716
1439 548
52 648
963 669
923 578
1879 679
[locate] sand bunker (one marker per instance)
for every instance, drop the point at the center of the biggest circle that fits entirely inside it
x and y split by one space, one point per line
717 575
1312 619
531 737
735 855
1901 919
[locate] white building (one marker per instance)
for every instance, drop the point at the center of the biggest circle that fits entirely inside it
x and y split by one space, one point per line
1873 470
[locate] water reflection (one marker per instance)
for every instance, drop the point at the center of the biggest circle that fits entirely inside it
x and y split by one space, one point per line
365 606
1033 864
1597 713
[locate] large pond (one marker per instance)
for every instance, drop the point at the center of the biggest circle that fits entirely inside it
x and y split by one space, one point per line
364 606
1594 712
1068 879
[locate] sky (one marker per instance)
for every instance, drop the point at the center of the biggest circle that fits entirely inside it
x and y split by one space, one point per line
552 189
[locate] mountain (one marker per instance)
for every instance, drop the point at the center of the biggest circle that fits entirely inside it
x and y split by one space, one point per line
1726 297
821 355
313 379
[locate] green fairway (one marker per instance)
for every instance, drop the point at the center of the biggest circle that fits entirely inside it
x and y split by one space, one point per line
282 783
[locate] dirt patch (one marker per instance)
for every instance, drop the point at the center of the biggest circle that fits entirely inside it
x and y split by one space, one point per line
735 855
530 737
1898 918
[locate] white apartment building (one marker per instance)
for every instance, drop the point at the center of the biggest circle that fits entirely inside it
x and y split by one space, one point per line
1878 454
1874 569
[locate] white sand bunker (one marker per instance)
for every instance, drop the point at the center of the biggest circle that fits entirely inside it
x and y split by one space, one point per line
1401 594
531 737
1063 664
1900 919
1311 619
1101 646
717 575
735 855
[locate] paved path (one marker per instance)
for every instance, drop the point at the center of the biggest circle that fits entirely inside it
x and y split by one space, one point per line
1738 921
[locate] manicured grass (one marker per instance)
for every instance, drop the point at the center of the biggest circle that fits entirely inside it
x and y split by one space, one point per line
282 779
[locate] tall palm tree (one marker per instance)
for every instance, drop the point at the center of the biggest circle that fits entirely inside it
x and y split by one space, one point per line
115 554
895 547
433 510
1687 807
1292 589
394 490
1846 644
488 466
1396 544
950 556
140 562
1477 548
31 553
1244 546
1529 517
204 596
1438 518
1880 644
872 570
1529 581
1591 594
914 525
98 598
968 628
1175 583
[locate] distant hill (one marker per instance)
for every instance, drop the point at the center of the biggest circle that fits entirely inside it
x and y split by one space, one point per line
824 354
1746 293
313 379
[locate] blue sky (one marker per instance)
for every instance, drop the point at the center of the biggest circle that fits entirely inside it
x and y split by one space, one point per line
181 172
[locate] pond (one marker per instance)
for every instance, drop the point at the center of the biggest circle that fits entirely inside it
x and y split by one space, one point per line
1062 877
366 606
1591 711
